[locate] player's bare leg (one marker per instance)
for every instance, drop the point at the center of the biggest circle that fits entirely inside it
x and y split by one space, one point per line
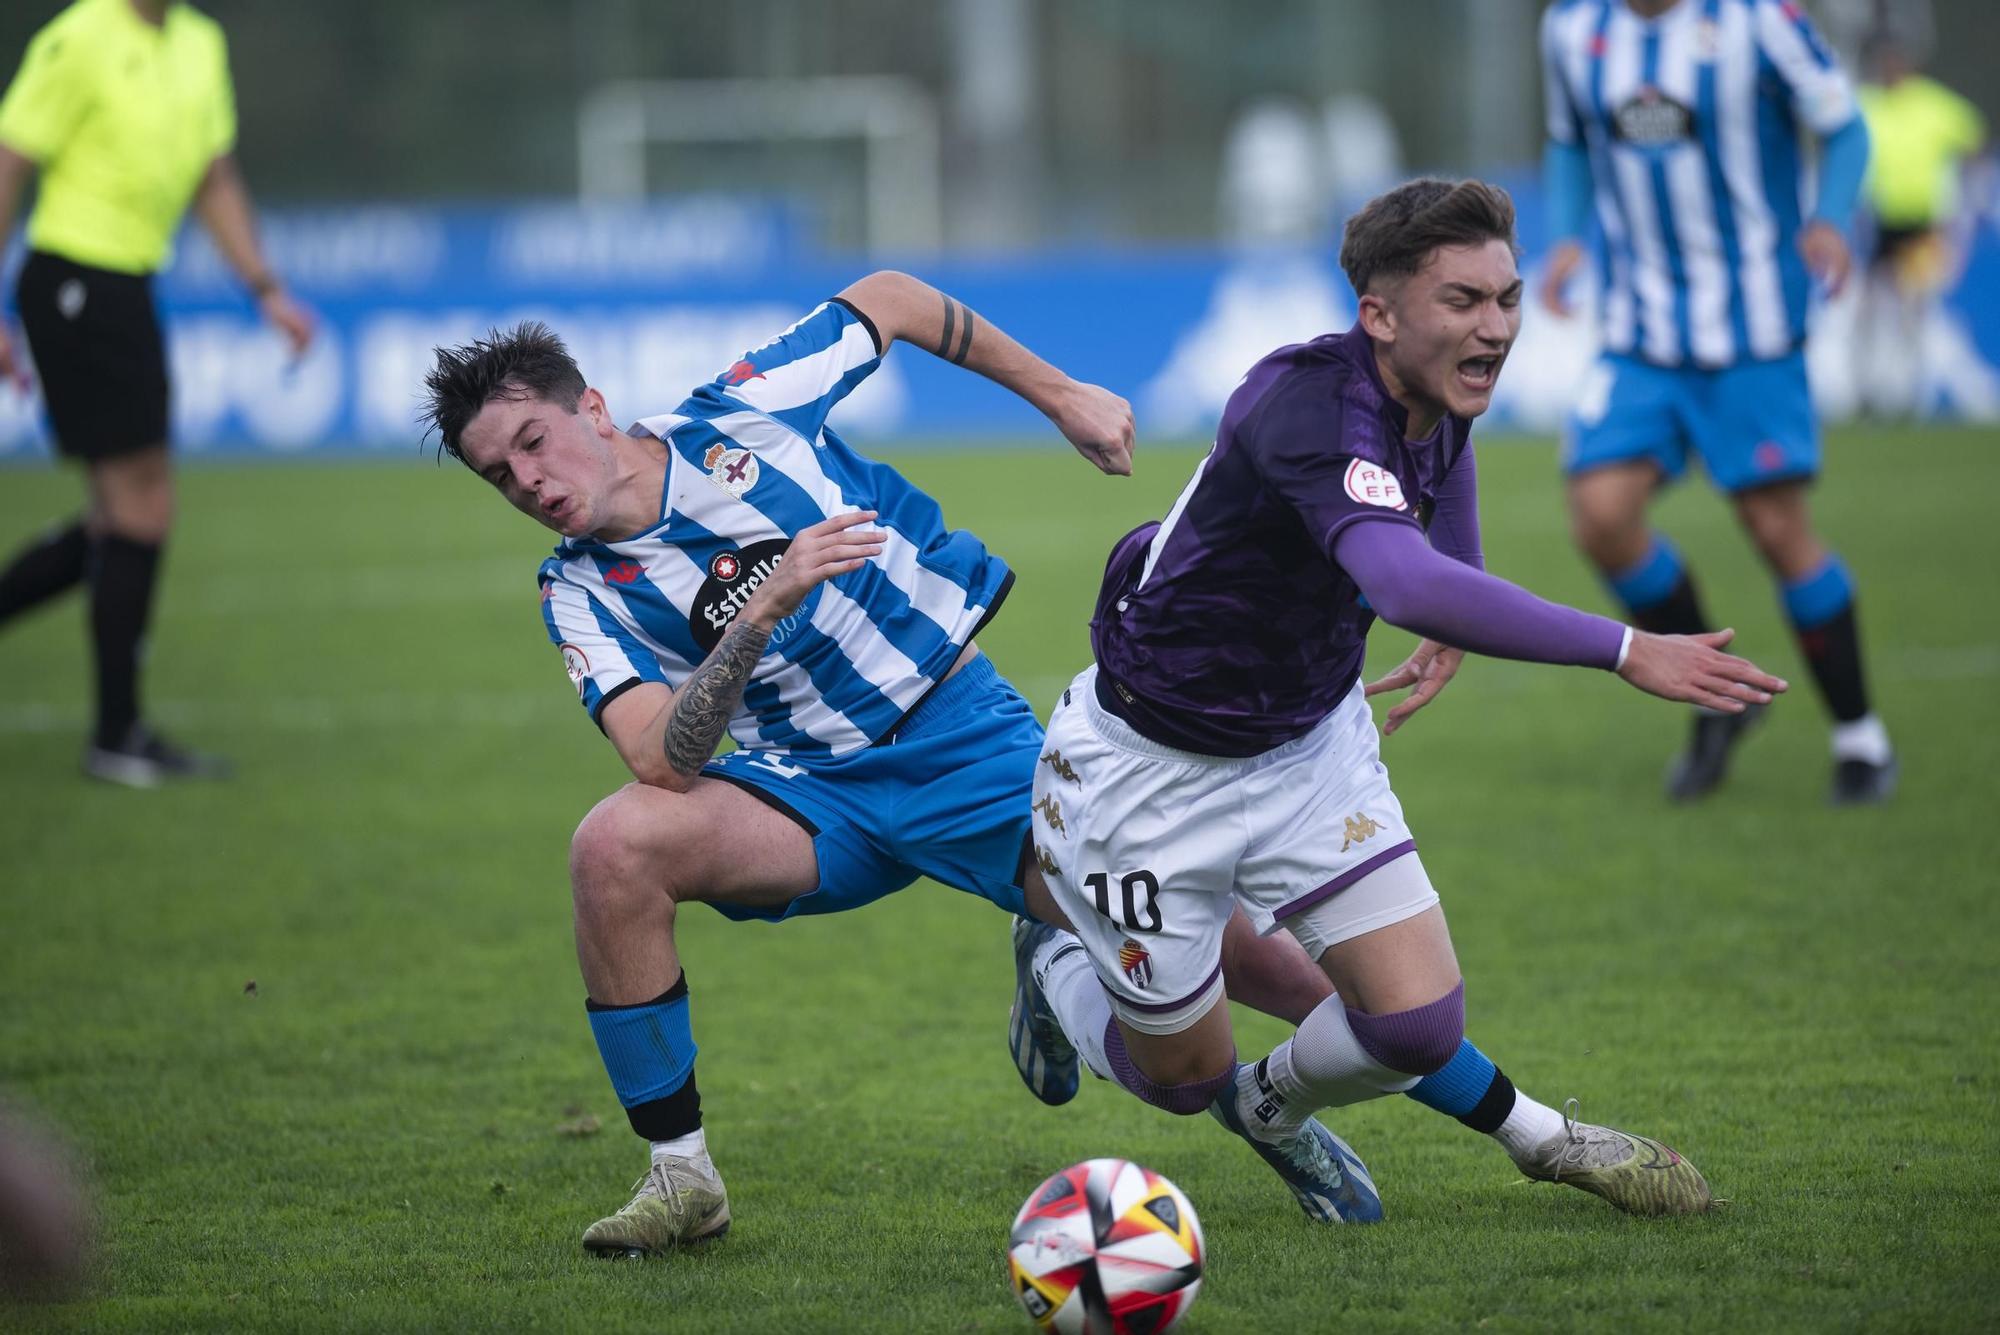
1607 508
1818 598
640 854
1396 1024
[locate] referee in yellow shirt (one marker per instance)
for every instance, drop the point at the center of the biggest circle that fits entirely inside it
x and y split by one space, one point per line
124 110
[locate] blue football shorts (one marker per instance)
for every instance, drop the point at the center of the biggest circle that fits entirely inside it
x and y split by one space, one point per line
1752 424
946 796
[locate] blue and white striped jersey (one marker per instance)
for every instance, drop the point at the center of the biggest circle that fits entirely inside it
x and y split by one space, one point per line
1693 122
751 462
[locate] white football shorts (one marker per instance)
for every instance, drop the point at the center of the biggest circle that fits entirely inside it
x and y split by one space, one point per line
1149 849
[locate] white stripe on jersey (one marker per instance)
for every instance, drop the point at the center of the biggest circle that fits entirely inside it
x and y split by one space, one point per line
1757 239
800 382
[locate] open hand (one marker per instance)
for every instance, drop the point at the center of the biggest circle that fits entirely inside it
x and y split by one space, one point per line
1563 263
1099 424
831 547
1826 255
1426 670
1693 668
291 319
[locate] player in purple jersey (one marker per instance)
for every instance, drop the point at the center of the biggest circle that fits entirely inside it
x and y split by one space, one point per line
1221 754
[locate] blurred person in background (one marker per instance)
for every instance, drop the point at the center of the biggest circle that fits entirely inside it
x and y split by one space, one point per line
1690 126
1924 135
123 111
46 1226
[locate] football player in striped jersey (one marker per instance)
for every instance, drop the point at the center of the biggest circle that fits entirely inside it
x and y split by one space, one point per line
732 567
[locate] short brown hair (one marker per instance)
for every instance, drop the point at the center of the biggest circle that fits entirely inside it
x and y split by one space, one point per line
1395 233
526 362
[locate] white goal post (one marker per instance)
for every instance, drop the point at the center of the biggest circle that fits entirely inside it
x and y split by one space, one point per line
895 121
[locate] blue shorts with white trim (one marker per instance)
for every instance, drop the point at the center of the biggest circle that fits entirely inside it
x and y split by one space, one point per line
945 796
1752 423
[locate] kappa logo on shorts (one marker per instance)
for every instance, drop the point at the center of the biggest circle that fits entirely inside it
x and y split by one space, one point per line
1050 810
1372 484
1768 457
1047 861
577 665
1054 760
1358 829
733 470
1137 964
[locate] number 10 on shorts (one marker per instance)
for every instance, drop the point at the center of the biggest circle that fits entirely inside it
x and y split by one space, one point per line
1139 899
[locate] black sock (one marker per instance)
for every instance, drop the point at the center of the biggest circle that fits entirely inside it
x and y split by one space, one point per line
44 568
1833 652
676 1115
122 576
1493 1107
1679 613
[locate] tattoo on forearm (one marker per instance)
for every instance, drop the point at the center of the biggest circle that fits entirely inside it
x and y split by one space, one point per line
705 701
957 317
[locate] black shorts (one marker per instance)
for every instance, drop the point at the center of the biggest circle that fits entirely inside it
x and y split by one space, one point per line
1891 242
98 355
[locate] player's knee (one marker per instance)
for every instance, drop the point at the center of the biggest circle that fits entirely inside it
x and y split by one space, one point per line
1187 1082
1417 1041
614 854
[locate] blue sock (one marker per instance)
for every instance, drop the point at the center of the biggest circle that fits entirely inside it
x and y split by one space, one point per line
1651 580
649 1051
1820 596
1469 1087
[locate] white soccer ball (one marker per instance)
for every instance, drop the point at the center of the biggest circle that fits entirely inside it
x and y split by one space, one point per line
1106 1245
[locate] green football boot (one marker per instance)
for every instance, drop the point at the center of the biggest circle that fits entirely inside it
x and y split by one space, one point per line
677 1202
1637 1174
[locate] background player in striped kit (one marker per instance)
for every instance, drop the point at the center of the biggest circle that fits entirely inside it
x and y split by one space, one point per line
1687 124
734 566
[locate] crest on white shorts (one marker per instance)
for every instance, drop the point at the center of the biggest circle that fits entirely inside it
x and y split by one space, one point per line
1372 484
735 471
1137 964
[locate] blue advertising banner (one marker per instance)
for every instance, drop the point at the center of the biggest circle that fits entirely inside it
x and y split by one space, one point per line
657 297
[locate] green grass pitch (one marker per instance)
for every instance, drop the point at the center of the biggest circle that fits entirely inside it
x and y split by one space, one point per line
1801 999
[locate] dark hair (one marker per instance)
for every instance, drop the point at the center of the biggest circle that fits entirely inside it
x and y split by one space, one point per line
526 362
1396 232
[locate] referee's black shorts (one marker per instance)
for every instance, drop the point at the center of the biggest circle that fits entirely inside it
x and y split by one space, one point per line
98 355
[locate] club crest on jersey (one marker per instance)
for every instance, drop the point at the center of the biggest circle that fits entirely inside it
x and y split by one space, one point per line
1372 484
1652 120
733 470
577 665
1136 962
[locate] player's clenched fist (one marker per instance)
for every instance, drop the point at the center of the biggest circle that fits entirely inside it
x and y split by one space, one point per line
830 547
1099 424
1694 668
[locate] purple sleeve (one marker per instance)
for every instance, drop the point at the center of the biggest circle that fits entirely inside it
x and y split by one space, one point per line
1455 517
1421 590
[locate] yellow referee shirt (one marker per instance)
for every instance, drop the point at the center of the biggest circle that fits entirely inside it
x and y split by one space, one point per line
1920 131
122 119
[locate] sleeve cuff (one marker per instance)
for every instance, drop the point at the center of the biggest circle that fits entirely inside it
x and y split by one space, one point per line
1624 648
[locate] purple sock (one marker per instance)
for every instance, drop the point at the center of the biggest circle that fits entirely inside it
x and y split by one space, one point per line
1181 1100
1415 1042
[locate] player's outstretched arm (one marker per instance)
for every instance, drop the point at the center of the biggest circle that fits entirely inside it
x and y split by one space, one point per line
1092 418
1411 586
666 736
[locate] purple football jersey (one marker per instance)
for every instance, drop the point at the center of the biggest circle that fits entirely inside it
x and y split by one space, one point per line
1229 629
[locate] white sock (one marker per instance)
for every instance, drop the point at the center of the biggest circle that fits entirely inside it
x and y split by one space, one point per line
1070 983
1528 1127
694 1145
1864 739
1323 1065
